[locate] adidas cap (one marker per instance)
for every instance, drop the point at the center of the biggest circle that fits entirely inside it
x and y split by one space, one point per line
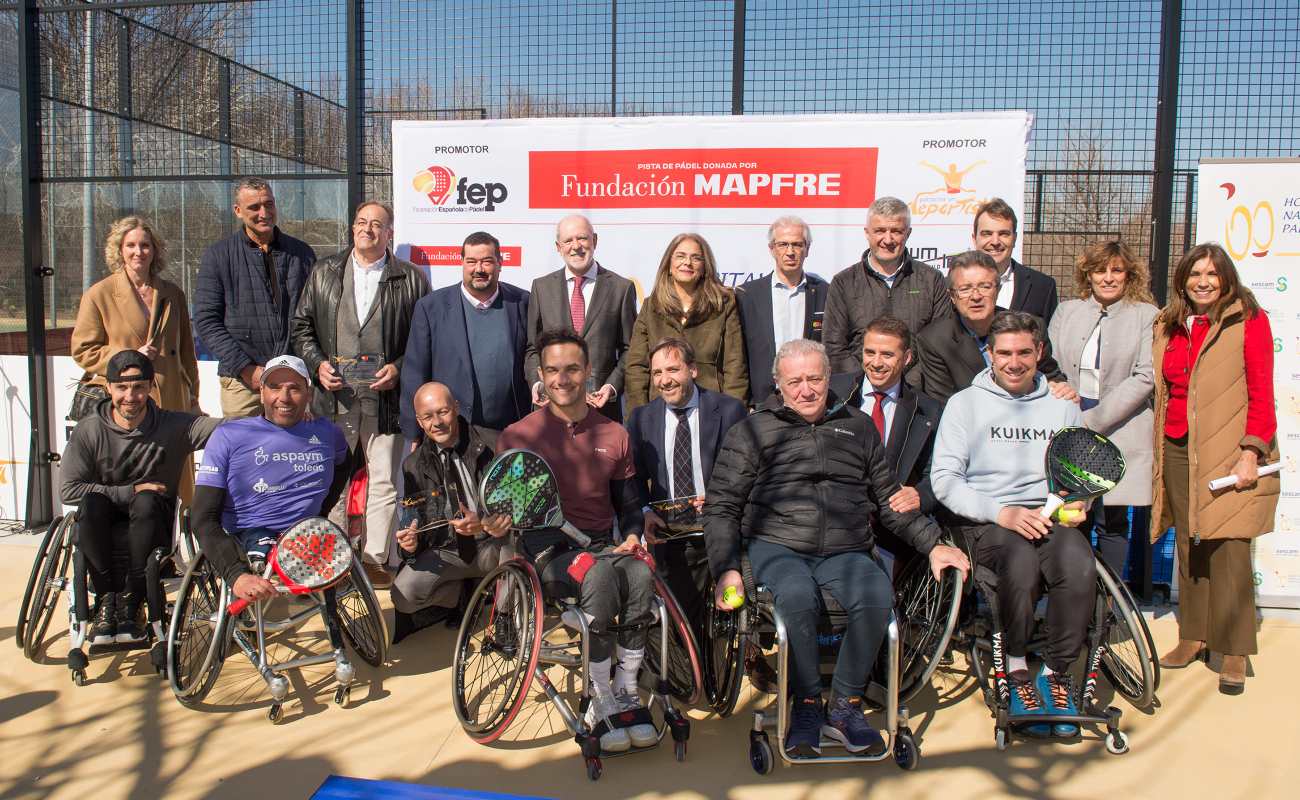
287 362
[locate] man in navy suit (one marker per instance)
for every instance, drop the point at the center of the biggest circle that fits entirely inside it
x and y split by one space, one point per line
471 337
675 439
787 304
1019 287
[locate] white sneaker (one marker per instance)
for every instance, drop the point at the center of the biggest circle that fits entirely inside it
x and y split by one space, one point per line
614 740
642 734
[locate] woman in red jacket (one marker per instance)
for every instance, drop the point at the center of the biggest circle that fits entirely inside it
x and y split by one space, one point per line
1213 362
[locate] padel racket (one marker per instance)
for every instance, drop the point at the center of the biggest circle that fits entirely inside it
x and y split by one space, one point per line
521 485
680 516
313 554
1081 464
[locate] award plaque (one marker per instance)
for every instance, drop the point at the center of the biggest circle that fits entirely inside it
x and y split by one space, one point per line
358 370
680 516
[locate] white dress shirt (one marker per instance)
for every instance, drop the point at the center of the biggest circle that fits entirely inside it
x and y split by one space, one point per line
670 439
588 286
1006 288
788 308
475 302
890 401
365 282
466 482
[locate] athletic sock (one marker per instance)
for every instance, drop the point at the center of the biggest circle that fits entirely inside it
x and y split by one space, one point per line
1048 671
600 686
1017 664
628 667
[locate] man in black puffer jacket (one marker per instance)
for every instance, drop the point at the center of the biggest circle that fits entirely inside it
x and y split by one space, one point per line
797 484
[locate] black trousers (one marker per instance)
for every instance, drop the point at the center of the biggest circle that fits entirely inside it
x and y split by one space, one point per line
1111 524
684 565
148 520
1063 563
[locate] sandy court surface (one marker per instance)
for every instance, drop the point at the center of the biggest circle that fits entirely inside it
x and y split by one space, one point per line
124 735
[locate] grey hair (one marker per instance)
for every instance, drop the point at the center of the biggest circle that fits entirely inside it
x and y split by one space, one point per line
563 220
976 259
789 221
799 347
253 184
889 207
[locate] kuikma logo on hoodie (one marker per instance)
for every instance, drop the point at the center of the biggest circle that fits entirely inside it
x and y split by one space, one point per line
1018 435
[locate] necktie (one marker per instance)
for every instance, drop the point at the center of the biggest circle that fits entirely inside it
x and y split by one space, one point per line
451 483
878 414
683 472
577 306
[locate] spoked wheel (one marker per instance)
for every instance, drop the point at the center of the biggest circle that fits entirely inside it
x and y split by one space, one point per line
1129 657
685 676
497 650
48 579
360 617
723 659
197 633
927 614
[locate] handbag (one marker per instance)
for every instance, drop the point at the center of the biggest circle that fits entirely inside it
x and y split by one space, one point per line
85 399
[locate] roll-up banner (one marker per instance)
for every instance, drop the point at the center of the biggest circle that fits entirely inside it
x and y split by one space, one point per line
643 180
1252 208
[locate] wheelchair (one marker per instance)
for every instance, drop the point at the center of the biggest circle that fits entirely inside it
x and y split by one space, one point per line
924 618
202 632
50 578
511 633
1118 645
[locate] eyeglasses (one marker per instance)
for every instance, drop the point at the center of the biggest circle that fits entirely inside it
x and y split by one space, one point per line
372 224
795 246
966 291
683 258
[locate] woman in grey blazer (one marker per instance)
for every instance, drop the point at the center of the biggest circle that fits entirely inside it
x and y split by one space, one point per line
1102 342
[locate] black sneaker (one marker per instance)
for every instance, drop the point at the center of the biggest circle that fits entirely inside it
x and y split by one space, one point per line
804 739
129 629
104 628
847 724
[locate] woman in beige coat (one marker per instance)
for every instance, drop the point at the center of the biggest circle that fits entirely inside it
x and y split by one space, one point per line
689 302
136 309
1213 361
1102 342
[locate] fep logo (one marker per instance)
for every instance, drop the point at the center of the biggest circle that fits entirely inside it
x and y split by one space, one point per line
452 195
953 198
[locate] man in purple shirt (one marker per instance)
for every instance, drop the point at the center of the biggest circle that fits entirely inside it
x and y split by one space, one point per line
264 474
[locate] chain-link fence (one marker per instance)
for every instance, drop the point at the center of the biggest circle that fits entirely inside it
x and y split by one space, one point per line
157 106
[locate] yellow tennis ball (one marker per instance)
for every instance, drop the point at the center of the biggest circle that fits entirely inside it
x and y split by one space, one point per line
1069 517
731 598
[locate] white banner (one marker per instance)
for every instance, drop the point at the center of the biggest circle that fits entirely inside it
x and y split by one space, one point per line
644 180
1252 208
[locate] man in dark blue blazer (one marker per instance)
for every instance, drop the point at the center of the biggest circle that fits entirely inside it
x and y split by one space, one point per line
787 304
1020 288
471 337
675 439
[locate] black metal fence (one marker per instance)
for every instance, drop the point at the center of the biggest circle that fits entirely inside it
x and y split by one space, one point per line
156 106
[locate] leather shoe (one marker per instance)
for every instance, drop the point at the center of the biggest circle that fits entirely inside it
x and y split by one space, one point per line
1186 653
1232 675
379 577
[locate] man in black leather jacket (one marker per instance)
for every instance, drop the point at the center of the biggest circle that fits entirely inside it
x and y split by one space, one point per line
351 329
796 485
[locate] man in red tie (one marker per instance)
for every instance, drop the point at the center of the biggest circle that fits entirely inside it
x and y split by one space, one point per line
598 305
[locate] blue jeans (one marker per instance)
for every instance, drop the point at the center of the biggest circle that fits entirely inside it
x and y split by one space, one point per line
856 582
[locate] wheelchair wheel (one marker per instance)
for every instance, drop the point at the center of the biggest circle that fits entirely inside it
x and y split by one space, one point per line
685 676
1129 658
48 579
197 633
359 616
497 649
927 613
724 659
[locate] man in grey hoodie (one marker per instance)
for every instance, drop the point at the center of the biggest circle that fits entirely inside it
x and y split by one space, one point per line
122 465
988 473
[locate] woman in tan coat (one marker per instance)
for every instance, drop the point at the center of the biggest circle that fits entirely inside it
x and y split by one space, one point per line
135 309
689 302
1213 363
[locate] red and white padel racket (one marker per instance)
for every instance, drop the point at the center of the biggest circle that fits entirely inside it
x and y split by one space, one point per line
314 554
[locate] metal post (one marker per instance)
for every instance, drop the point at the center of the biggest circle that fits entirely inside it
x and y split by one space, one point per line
613 58
356 10
738 58
125 145
1038 203
1162 189
40 500
89 259
1188 199
223 115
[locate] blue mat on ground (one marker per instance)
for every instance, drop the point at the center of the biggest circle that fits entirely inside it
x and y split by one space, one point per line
337 787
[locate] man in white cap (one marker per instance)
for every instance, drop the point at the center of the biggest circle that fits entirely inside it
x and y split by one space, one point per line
261 475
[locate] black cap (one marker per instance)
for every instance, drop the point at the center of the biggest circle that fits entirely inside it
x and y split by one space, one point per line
129 361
